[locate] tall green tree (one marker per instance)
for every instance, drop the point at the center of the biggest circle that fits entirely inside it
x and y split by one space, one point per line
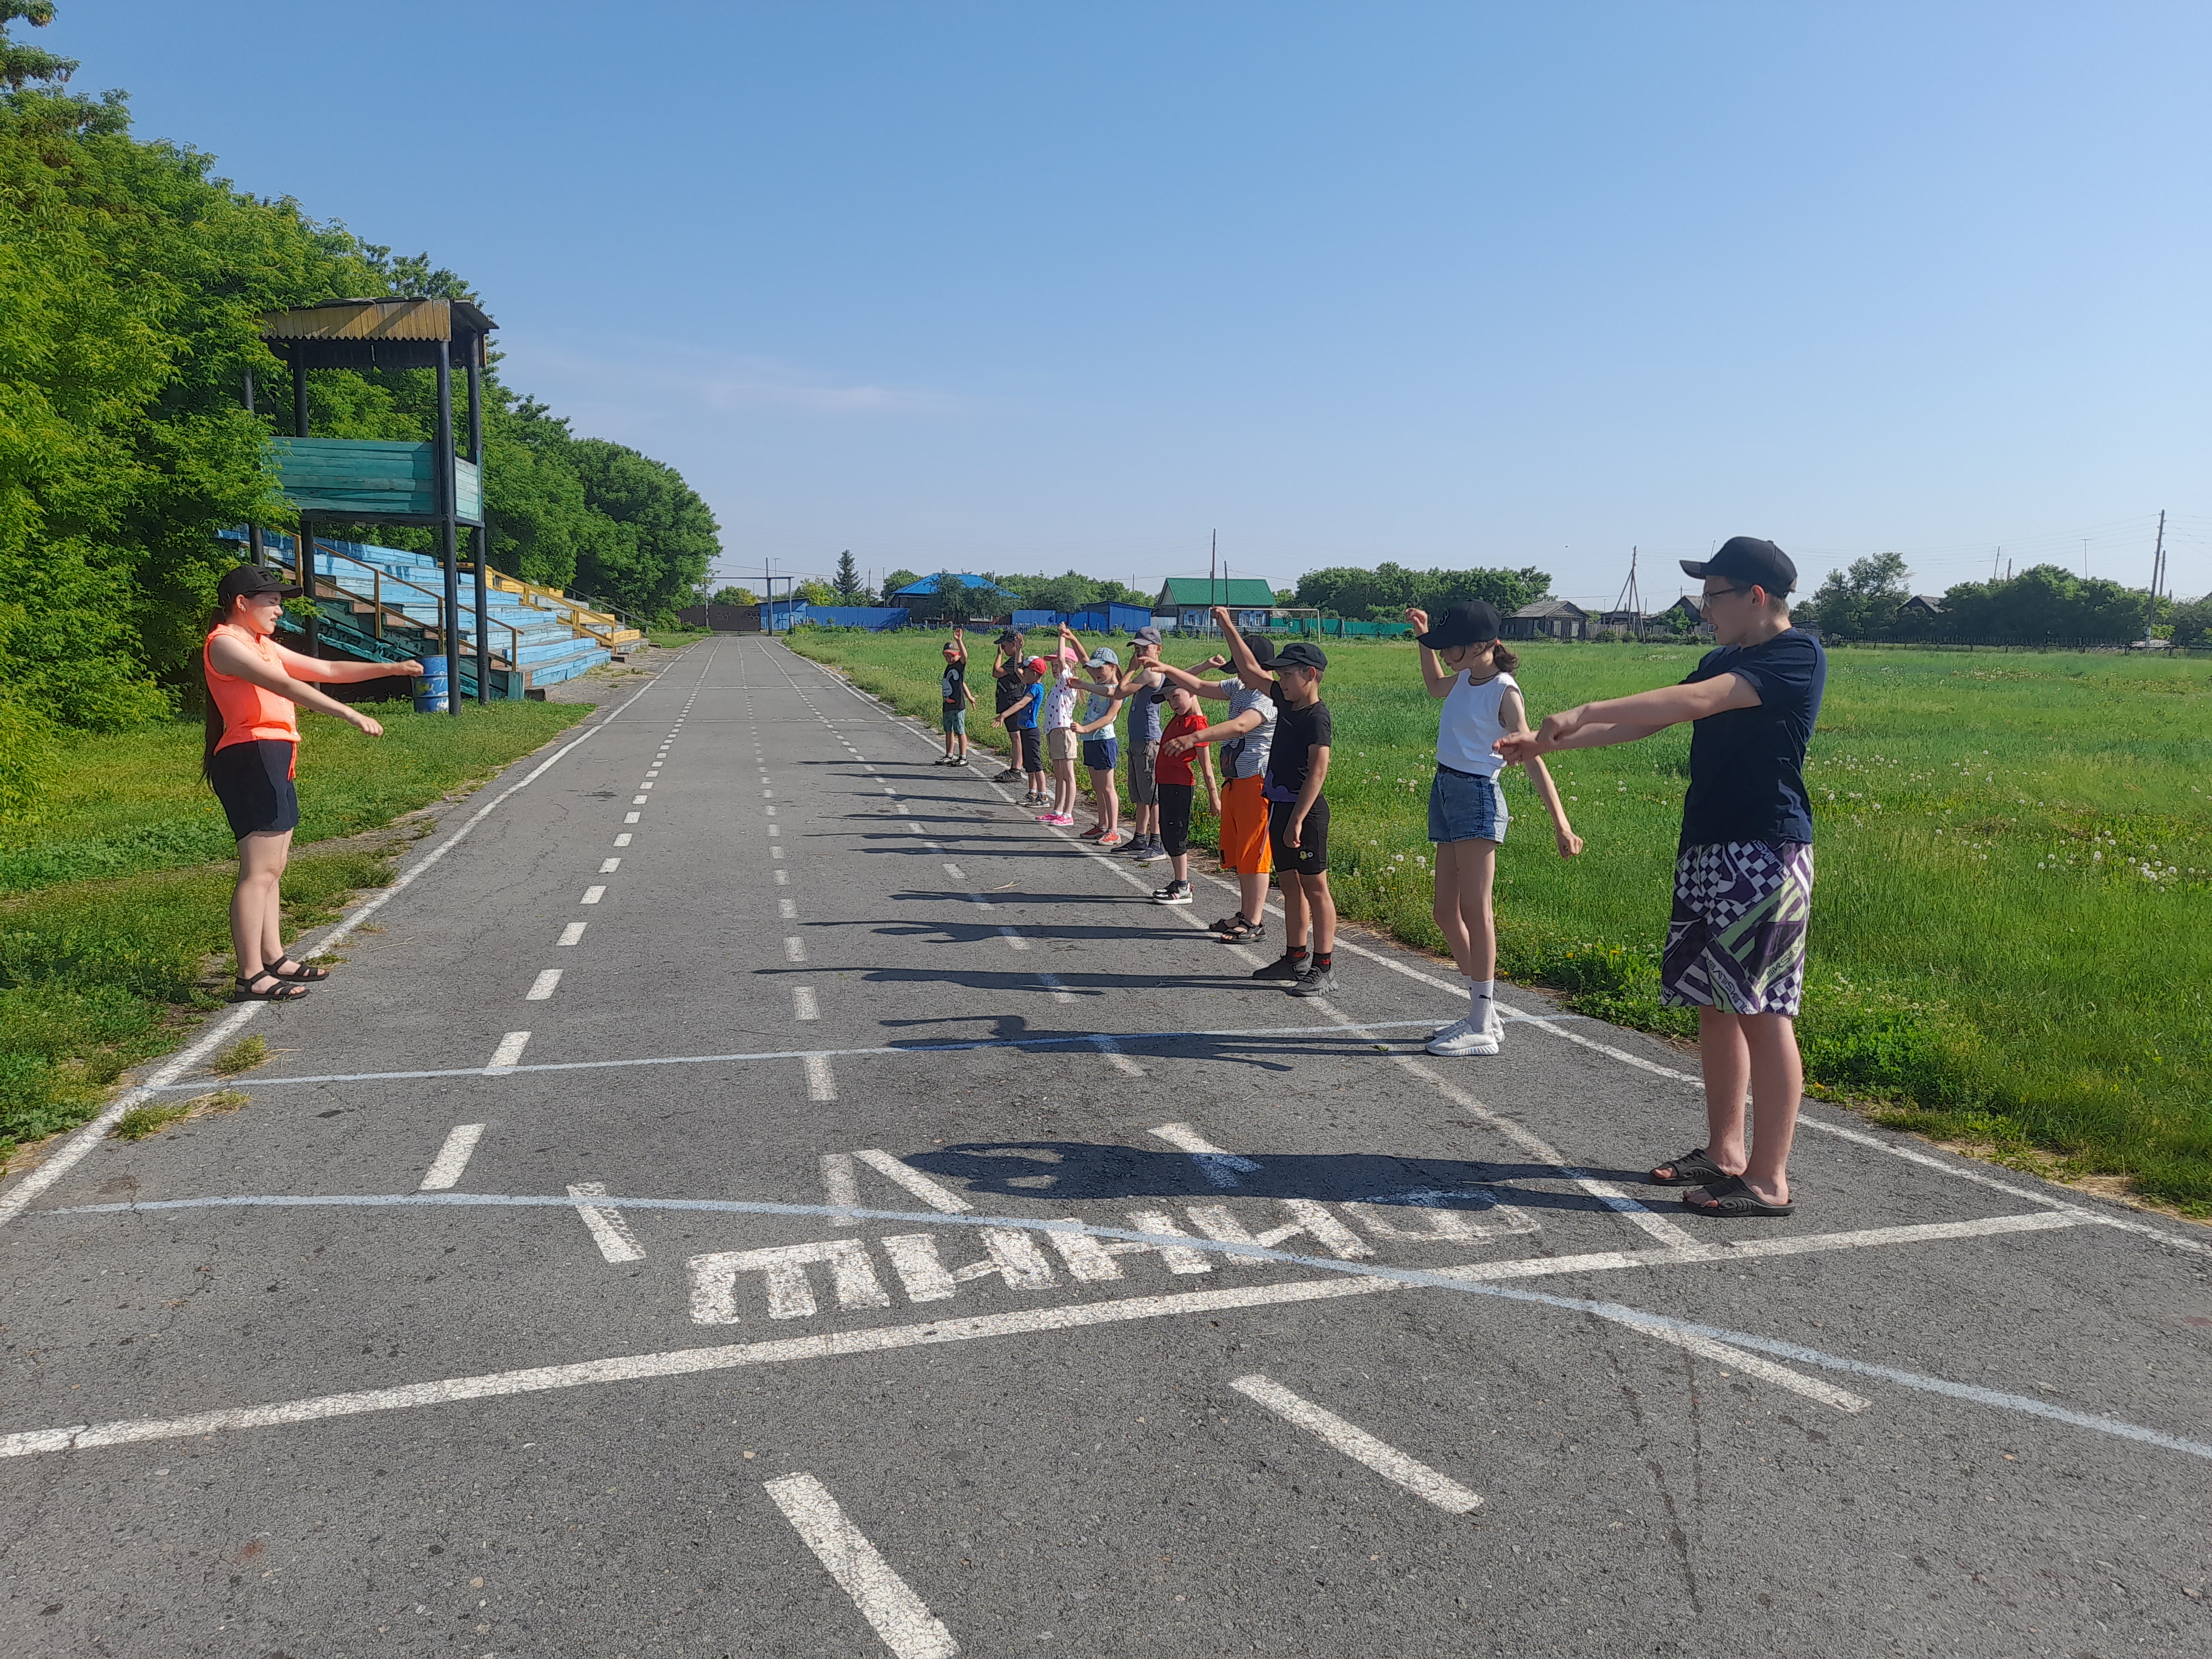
21 65
851 590
662 536
1863 602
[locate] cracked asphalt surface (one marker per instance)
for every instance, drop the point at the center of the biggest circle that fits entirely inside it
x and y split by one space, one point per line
921 1156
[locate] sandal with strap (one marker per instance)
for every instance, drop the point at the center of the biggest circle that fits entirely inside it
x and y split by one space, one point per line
1734 1197
301 975
280 988
1237 931
1692 1169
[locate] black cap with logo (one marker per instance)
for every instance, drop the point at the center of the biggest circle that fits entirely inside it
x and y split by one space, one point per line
251 581
1299 655
1747 560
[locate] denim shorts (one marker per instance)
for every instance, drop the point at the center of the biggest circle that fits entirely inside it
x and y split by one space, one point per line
1464 807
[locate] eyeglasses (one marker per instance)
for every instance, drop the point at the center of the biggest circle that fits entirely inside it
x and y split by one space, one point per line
1719 593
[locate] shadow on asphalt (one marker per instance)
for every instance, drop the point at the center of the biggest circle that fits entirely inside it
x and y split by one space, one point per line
1077 1170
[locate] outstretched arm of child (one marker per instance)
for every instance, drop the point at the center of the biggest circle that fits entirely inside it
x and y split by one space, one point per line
1547 792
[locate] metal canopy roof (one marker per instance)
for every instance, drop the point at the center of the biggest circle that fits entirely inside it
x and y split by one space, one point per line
376 333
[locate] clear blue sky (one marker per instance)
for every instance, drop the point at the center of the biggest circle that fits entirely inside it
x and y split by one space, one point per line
1019 286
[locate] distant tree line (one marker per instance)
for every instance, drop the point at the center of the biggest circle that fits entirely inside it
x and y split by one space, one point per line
1385 592
2045 604
132 282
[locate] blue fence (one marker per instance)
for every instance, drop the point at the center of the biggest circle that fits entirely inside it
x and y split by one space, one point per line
1095 619
786 614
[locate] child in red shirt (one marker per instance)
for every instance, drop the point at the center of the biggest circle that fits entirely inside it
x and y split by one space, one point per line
1177 781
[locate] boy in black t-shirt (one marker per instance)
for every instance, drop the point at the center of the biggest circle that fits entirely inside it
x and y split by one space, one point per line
958 696
1009 686
1743 877
1297 822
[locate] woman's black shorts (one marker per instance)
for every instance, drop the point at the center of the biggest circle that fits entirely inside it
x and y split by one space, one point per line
253 781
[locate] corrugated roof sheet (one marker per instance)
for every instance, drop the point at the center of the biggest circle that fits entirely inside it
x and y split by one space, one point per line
375 320
1243 592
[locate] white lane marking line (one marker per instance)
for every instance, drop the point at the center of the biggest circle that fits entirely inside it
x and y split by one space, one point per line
914 828
638 800
623 840
1751 1365
573 933
1220 1167
1369 1280
504 1057
795 949
955 872
1119 1061
608 1229
942 1199
821 1082
768 794
593 895
543 986
608 866
648 784
841 1186
771 811
1086 1039
1051 982
803 1005
66 1157
787 908
774 852
632 817
1013 938
453 1157
1355 1443
774 830
898 1616
783 877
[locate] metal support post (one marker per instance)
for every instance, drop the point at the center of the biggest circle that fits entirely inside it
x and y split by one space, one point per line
448 539
480 538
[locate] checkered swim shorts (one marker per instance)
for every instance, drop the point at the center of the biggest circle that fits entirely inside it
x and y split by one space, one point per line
1737 940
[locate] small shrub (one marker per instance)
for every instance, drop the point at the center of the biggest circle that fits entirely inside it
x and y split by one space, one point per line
242 1056
141 1122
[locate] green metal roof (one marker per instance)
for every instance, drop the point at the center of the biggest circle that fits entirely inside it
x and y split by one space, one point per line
1243 591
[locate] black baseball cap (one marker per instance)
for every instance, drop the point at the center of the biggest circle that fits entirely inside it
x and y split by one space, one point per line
1010 637
1748 560
1299 655
1262 649
251 581
1466 622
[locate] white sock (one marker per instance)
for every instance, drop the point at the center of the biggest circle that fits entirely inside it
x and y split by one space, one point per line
1480 1005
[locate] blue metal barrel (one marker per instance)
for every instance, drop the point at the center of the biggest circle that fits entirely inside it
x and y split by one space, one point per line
430 693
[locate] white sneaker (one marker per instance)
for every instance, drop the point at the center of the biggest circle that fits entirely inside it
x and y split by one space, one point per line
1463 1038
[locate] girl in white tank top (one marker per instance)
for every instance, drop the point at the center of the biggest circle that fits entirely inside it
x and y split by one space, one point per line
1465 665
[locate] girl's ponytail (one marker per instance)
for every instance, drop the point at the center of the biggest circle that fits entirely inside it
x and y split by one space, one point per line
1505 661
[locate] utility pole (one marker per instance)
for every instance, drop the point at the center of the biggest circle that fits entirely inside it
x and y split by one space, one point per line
2157 574
1631 600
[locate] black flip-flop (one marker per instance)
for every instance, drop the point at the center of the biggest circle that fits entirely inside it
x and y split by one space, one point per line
1692 1169
1733 1198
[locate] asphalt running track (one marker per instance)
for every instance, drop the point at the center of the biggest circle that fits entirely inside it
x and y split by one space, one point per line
750 1191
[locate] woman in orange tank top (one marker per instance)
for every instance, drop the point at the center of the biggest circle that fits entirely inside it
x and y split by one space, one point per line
252 744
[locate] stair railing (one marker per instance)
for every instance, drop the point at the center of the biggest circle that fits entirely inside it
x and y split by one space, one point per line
379 578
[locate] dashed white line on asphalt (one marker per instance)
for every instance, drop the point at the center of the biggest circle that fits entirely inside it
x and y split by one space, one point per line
1119 1061
592 895
452 1158
608 866
938 1198
803 1005
608 1229
771 811
783 877
573 933
787 908
648 784
1051 982
1360 1446
1220 1167
956 873
821 1081
1013 938
632 817
623 840
543 986
509 1052
898 1616
639 800
775 853
795 949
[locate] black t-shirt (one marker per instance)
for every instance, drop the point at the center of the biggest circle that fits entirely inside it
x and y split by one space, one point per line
1296 732
1747 765
1010 687
955 685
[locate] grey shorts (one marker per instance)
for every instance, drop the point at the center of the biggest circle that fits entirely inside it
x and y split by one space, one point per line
1144 788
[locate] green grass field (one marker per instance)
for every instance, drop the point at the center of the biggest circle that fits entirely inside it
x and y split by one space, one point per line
2010 942
114 895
